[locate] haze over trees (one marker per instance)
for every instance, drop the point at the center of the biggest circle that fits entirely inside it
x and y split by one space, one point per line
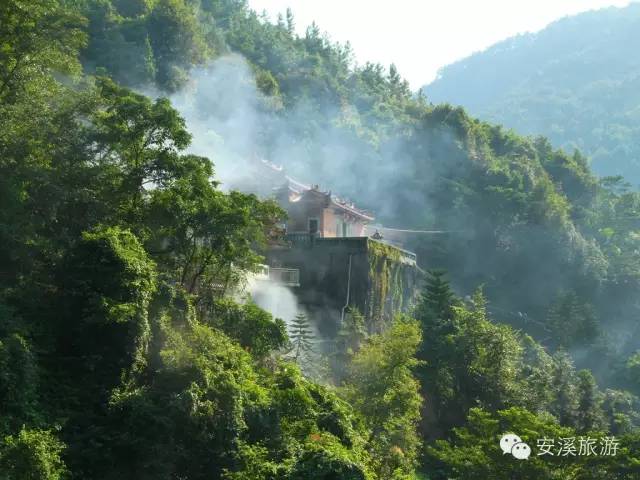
576 82
122 353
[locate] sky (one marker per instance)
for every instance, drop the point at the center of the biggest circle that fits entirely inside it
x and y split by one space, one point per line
421 36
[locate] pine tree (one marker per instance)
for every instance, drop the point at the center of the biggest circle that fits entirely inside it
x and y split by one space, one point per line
435 313
291 25
435 310
302 339
150 69
589 415
565 404
398 86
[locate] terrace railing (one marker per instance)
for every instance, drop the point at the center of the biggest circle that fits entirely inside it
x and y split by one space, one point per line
289 277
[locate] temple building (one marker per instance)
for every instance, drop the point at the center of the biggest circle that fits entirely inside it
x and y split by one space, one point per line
329 261
318 213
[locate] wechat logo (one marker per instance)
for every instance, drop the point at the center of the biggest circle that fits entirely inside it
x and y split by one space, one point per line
513 444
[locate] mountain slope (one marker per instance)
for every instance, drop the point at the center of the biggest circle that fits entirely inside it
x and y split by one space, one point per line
529 222
123 354
576 82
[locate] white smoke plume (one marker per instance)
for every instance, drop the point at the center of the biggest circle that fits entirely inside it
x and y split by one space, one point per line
276 299
221 107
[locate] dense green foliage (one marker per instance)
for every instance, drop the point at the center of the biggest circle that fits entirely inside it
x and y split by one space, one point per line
481 380
472 453
530 222
122 354
575 82
380 384
32 455
122 351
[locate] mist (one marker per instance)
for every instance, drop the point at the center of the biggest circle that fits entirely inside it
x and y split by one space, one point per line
221 106
276 299
406 178
235 125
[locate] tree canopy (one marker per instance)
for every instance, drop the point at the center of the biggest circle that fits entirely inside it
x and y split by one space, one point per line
125 351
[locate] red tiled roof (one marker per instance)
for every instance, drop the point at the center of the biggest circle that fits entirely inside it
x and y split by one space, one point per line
300 188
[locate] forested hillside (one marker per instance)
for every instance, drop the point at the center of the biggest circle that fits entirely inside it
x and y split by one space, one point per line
577 82
123 353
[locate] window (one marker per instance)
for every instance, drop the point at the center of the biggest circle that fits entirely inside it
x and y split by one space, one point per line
342 228
313 225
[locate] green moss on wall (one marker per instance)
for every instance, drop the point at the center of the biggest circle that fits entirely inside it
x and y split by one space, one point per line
386 293
379 249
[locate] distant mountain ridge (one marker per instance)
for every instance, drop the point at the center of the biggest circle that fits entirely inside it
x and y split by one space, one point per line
576 82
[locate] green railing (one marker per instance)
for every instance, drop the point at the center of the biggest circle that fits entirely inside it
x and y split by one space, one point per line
311 239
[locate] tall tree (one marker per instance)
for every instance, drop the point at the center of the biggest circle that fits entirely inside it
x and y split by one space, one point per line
302 340
177 40
435 309
37 37
565 403
589 415
435 312
381 386
291 24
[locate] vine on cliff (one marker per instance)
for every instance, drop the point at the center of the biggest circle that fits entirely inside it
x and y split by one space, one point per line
385 275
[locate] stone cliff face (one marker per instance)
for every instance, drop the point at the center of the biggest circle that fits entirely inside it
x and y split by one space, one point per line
378 279
393 279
